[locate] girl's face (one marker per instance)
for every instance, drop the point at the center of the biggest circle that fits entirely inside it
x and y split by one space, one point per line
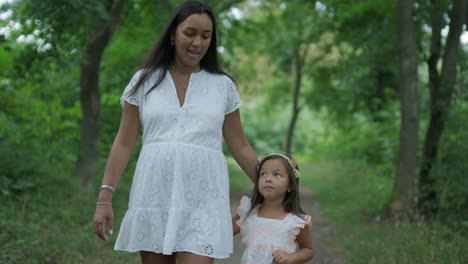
192 39
273 181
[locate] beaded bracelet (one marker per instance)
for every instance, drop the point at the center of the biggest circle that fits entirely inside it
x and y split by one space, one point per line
107 187
103 203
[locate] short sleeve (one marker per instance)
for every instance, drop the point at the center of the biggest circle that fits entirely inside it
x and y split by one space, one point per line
128 96
297 223
308 220
233 98
244 207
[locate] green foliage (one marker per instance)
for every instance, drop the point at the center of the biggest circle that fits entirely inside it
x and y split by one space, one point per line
239 181
360 138
6 61
358 73
19 167
38 118
265 129
64 16
20 163
266 124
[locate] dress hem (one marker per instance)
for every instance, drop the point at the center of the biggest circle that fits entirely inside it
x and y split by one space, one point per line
135 250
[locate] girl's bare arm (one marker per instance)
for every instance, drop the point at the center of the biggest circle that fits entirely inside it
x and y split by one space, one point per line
306 251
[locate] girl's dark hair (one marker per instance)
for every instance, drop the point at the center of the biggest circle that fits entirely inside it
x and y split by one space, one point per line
291 202
162 54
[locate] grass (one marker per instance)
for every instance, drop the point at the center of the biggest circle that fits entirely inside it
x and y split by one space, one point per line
352 195
53 223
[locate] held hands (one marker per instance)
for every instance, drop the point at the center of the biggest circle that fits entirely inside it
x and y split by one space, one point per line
281 257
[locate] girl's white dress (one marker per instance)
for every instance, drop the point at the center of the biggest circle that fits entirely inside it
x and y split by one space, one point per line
179 199
262 236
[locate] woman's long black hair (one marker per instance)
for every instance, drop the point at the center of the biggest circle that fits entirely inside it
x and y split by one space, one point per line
162 54
291 202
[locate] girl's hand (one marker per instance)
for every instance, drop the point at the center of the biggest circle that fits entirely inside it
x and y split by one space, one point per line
281 257
103 215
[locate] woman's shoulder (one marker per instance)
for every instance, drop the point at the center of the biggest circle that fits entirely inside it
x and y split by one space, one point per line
220 77
151 72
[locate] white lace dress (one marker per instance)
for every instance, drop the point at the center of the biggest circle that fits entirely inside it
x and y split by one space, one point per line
179 199
262 236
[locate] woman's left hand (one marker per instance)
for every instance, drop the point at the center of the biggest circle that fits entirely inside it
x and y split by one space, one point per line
280 257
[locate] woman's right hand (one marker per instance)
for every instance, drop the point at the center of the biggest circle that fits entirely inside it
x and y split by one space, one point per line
103 216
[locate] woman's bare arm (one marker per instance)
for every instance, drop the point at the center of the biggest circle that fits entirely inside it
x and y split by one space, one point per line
238 144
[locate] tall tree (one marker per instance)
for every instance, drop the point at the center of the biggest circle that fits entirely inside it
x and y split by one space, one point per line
298 63
84 28
441 87
98 40
406 168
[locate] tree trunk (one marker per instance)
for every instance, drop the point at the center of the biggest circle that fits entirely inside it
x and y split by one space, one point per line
441 90
89 93
435 121
401 203
295 107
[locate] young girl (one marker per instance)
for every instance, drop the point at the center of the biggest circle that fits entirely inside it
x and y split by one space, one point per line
273 225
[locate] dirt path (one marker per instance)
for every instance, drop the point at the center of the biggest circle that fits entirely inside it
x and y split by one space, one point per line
321 232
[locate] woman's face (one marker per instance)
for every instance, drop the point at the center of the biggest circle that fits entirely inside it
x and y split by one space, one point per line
192 39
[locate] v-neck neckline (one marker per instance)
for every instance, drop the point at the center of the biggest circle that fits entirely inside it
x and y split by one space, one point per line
174 88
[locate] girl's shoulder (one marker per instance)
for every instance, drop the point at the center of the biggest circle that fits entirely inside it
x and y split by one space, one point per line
301 220
297 223
245 199
244 207
243 210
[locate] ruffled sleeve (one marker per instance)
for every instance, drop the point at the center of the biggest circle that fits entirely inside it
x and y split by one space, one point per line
297 223
128 96
233 98
243 209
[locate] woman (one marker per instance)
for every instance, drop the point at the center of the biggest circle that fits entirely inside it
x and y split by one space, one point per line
185 104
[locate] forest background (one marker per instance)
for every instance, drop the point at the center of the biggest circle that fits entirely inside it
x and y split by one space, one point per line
371 96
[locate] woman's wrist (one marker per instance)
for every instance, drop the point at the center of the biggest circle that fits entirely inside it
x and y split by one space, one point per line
105 193
107 188
104 203
104 197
